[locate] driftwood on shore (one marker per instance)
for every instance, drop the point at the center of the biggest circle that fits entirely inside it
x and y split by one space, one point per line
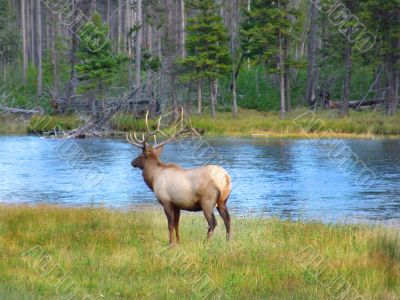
371 102
356 104
13 110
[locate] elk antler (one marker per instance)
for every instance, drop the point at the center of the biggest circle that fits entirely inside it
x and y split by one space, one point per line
143 142
182 130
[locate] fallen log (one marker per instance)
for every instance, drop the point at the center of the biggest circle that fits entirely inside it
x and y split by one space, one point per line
21 110
355 104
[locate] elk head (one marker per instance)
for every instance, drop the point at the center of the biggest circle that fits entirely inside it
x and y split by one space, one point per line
152 152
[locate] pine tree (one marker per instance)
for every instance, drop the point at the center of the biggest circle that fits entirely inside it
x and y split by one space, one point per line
98 65
264 33
207 49
312 38
8 43
383 17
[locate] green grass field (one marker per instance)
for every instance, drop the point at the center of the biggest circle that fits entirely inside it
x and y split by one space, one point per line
56 253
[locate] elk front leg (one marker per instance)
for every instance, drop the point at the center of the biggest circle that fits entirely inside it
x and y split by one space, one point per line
169 212
177 214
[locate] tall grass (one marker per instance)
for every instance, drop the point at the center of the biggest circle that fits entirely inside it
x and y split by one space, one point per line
124 255
126 122
46 123
299 123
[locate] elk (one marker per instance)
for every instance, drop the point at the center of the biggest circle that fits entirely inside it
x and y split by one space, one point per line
196 189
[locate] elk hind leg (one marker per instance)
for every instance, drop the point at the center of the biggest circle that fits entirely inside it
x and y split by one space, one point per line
223 212
211 220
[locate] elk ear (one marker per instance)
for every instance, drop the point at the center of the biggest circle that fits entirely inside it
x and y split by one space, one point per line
158 150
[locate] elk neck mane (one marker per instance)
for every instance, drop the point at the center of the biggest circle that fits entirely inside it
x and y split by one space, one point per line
151 167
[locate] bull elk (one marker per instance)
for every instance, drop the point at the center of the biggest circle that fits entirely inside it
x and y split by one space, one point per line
197 189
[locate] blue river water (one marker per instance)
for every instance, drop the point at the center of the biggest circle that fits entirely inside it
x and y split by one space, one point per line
326 180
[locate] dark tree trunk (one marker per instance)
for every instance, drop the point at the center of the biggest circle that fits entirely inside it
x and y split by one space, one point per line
287 91
347 79
396 90
174 96
138 45
238 69
213 88
311 54
281 77
128 26
31 18
24 42
73 81
286 76
119 26
53 53
394 78
233 25
392 75
181 20
38 20
199 97
378 80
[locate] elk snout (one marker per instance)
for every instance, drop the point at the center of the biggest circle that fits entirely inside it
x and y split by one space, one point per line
134 163
137 163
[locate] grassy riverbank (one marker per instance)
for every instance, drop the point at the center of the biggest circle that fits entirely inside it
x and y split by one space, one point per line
11 125
298 124
52 252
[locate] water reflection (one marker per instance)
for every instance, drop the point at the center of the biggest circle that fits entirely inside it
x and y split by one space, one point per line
284 178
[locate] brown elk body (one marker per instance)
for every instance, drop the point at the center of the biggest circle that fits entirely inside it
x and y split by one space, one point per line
176 188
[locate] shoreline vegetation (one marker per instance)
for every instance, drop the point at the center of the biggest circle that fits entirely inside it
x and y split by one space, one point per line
50 252
249 123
